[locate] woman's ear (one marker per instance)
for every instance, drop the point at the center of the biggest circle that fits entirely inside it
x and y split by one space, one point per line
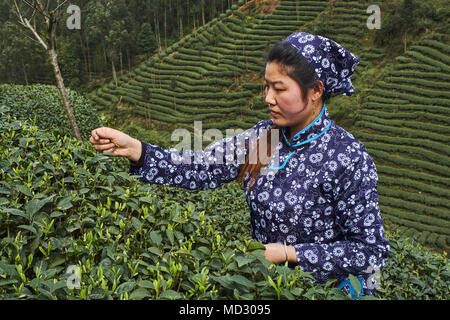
317 91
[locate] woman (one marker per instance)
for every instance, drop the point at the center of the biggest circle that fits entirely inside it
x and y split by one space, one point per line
316 203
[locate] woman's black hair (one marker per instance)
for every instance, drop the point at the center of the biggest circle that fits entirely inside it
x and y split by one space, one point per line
296 66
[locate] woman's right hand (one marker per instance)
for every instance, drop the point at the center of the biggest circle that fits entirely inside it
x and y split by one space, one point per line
114 141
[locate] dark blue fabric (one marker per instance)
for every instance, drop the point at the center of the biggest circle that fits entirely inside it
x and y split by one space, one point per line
333 63
324 202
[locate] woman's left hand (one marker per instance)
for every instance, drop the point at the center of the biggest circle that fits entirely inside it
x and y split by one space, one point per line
275 252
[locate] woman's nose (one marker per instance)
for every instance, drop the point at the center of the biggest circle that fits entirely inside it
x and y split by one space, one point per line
270 99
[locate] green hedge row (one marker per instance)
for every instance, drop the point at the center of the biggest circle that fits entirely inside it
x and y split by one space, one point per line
400 130
280 14
420 82
413 119
400 105
188 102
158 112
427 60
429 238
417 91
417 66
108 95
293 3
280 32
229 49
351 4
414 164
179 96
441 46
100 103
201 66
345 24
161 69
423 212
166 84
184 79
395 215
409 97
416 152
434 202
44 104
423 143
320 5
198 59
228 32
422 75
416 116
386 101
435 184
354 11
433 53
347 41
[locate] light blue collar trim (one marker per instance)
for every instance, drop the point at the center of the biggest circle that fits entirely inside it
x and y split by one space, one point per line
303 142
300 132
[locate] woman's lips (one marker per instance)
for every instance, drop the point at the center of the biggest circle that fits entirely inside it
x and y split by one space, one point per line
274 114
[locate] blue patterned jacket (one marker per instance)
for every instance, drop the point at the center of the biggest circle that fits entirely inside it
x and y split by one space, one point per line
320 197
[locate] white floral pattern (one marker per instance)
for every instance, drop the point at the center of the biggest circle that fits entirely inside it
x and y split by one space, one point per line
333 63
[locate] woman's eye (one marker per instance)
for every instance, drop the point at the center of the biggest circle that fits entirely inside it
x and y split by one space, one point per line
279 90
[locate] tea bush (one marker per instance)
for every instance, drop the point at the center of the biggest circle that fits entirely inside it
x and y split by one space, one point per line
64 207
44 102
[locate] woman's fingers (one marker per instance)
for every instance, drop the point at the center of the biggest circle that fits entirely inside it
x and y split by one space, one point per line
103 133
100 141
103 147
108 140
111 150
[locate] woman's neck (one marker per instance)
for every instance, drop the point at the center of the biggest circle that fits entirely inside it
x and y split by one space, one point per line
293 130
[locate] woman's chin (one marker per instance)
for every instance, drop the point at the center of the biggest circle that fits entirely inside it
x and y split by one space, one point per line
278 121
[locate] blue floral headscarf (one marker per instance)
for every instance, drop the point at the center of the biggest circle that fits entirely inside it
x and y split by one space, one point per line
333 63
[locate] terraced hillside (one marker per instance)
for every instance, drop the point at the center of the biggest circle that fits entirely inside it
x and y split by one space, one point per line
405 125
214 74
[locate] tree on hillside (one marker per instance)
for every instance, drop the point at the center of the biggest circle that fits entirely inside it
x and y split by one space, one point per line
42 22
400 19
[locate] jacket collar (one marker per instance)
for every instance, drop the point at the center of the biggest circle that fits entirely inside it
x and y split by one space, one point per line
315 128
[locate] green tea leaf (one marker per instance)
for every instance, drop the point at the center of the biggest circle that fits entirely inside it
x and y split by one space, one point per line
139 294
3 201
35 205
65 203
146 284
133 205
255 245
136 223
170 295
355 283
29 228
24 189
155 236
146 200
170 235
16 212
125 287
242 281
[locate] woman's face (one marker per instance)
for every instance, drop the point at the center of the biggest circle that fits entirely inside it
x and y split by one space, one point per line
285 99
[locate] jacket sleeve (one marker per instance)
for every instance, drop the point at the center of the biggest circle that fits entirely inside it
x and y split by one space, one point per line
211 168
364 248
